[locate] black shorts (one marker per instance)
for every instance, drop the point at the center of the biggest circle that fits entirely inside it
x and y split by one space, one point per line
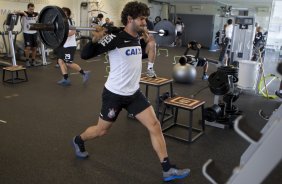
112 104
143 46
66 54
30 40
178 33
201 61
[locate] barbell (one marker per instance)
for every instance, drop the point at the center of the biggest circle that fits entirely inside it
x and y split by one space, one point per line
53 28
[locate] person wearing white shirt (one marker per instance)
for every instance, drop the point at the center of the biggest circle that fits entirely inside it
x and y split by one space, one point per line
179 27
223 57
30 36
66 53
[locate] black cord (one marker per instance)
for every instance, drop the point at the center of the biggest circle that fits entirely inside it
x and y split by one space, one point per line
199 91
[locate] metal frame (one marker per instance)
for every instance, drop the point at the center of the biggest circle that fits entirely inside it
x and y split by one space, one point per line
260 158
190 127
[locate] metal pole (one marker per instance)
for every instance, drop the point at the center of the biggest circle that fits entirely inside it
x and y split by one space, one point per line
12 48
82 28
43 54
51 27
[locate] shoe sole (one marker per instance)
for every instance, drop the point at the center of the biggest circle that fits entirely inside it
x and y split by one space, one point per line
152 76
176 177
64 84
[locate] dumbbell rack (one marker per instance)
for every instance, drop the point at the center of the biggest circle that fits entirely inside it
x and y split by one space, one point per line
228 115
215 123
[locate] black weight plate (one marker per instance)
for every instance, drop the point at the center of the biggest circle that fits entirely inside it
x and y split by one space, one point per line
218 79
212 113
169 38
218 83
54 15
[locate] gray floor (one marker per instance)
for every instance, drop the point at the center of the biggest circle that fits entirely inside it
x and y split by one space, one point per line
42 118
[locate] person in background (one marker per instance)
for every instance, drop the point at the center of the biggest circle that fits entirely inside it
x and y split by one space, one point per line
223 57
179 27
108 23
279 92
195 60
30 36
259 43
98 20
148 45
66 53
157 19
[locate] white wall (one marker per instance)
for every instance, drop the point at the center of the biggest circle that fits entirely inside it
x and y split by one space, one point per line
113 9
262 17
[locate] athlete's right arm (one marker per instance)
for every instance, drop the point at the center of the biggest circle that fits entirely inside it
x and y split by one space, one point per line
21 13
99 46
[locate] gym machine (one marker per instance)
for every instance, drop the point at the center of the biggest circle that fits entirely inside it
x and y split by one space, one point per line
260 158
241 47
11 21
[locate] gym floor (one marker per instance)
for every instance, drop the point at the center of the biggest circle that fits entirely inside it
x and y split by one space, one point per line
42 117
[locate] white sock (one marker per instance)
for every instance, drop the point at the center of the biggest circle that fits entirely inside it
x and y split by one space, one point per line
150 65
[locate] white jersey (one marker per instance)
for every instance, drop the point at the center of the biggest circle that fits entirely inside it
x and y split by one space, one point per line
71 41
31 18
229 31
179 27
125 57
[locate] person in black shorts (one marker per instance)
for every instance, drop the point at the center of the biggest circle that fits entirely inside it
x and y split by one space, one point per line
148 45
30 36
122 89
195 60
66 53
279 92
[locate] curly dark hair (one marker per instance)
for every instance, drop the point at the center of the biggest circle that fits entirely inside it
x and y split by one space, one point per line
134 9
67 10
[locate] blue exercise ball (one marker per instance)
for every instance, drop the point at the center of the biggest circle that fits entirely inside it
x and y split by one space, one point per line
184 73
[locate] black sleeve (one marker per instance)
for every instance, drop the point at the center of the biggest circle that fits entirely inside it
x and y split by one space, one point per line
198 53
186 51
88 51
94 49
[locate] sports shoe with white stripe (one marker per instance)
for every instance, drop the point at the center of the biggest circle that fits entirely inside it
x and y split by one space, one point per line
151 73
174 173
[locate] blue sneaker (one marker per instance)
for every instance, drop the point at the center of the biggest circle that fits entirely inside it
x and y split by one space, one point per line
86 76
205 77
174 173
79 149
64 82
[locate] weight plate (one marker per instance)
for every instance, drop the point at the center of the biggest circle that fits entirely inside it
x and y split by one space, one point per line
169 36
55 16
